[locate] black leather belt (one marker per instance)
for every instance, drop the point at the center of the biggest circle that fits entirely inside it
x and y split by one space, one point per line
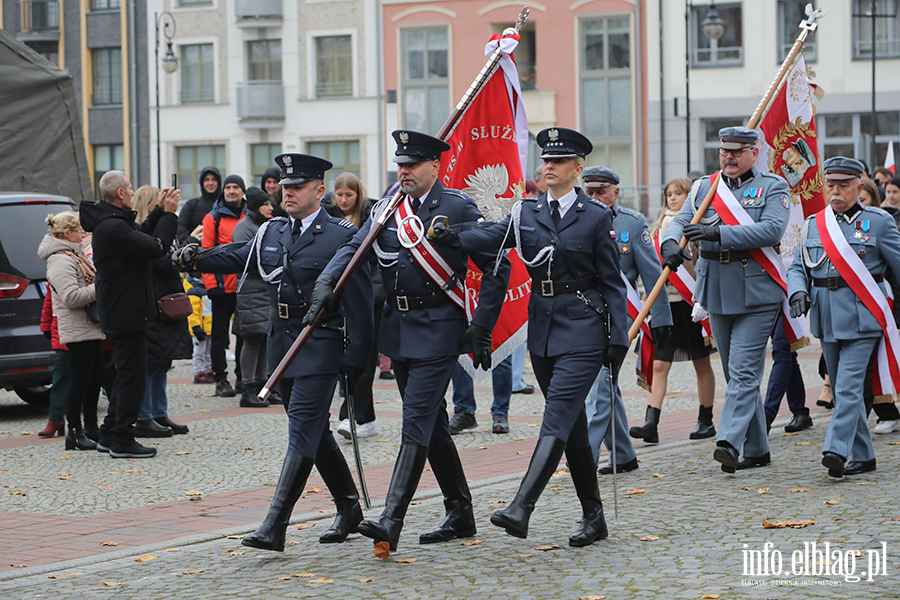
405 303
725 256
290 311
836 281
551 288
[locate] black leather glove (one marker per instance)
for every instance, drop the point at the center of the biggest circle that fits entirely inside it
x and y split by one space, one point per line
185 258
216 293
661 335
322 298
440 234
696 231
673 254
800 304
478 339
199 333
354 375
613 359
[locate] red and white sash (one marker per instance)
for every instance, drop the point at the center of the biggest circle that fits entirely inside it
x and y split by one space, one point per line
646 350
411 233
857 276
684 282
732 213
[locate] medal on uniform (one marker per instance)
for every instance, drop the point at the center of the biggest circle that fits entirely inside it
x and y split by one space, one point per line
862 253
624 237
625 249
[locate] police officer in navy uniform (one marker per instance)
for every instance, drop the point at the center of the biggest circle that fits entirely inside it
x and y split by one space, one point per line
567 241
637 257
289 254
423 332
743 301
847 329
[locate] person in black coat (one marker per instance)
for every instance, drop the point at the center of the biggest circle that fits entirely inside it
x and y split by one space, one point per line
269 183
195 209
125 296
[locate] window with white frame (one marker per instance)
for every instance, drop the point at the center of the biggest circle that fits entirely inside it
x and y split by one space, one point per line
197 73
424 56
334 65
192 160
606 91
343 154
887 29
264 60
725 52
790 14
847 134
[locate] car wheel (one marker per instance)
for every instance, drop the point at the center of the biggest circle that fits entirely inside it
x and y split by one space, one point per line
36 395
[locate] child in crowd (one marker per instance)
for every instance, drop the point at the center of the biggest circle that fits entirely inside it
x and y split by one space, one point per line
200 324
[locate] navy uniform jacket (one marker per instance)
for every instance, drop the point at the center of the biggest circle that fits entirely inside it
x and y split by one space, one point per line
637 257
429 332
306 259
839 314
731 288
564 323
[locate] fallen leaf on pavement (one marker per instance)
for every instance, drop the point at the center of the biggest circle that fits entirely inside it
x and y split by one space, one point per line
382 550
658 475
284 578
405 560
792 524
303 574
496 501
151 487
802 443
482 447
113 583
17 566
107 488
27 433
29 473
67 477
133 471
324 511
747 488
526 555
591 597
635 491
108 544
193 571
234 537
238 553
535 425
172 550
710 596
321 580
203 409
472 543
145 558
791 433
63 576
649 538
18 493
893 443
762 491
793 490
65 458
314 490
307 526
832 502
366 580
519 452
545 548
382 440
246 447
291 543
193 493
557 489
691 472
182 453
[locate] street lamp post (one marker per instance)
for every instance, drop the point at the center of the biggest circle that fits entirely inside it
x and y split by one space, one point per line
166 22
714 29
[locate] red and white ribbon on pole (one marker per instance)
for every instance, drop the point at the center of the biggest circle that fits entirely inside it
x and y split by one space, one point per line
732 213
511 77
411 233
857 276
646 350
685 283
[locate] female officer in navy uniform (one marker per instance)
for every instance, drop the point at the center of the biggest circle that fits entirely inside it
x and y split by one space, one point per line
567 240
289 254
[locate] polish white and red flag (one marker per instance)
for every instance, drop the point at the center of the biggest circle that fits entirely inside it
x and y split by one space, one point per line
645 347
789 147
889 159
486 160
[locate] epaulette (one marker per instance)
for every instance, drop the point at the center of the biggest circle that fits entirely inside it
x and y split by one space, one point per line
341 222
878 210
276 219
771 175
453 192
529 199
629 211
597 202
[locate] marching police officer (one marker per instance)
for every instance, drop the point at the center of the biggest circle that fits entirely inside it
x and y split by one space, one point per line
637 257
289 254
566 240
424 329
743 301
848 330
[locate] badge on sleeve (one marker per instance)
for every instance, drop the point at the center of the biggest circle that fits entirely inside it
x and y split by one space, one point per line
786 201
645 237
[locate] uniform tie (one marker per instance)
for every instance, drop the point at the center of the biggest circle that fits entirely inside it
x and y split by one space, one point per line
554 212
295 232
415 205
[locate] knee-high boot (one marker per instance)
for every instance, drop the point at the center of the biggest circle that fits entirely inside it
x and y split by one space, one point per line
334 470
270 535
404 481
584 477
514 518
459 520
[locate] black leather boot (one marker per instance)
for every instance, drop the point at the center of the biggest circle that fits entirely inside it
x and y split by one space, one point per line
514 518
75 439
459 520
584 477
271 534
334 470
248 395
404 481
647 431
705 428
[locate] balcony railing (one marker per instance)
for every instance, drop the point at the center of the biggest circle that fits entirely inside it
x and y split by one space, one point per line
260 100
38 16
260 9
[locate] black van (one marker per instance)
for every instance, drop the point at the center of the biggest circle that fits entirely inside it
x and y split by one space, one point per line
26 358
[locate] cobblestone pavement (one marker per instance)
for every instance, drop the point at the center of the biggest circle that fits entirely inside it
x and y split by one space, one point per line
704 520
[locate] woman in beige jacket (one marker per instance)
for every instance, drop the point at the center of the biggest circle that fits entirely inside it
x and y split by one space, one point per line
71 276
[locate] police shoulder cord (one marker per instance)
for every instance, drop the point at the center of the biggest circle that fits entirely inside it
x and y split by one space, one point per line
544 255
385 259
257 245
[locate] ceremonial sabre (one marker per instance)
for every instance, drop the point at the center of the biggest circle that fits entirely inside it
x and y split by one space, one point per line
351 412
612 419
807 26
446 130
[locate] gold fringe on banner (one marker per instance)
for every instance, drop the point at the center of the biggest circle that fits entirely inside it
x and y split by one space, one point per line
884 399
801 343
642 381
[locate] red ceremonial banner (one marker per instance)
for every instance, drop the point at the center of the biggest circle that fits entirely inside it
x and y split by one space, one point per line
485 160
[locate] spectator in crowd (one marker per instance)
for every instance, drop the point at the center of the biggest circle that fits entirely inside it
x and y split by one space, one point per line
253 304
166 341
882 176
870 196
351 202
195 209
59 388
200 324
269 184
122 254
892 193
539 181
464 398
218 227
70 276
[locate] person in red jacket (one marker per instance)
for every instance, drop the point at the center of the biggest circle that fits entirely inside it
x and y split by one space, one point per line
59 389
218 226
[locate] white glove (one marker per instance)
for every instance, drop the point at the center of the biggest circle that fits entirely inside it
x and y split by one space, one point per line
698 314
